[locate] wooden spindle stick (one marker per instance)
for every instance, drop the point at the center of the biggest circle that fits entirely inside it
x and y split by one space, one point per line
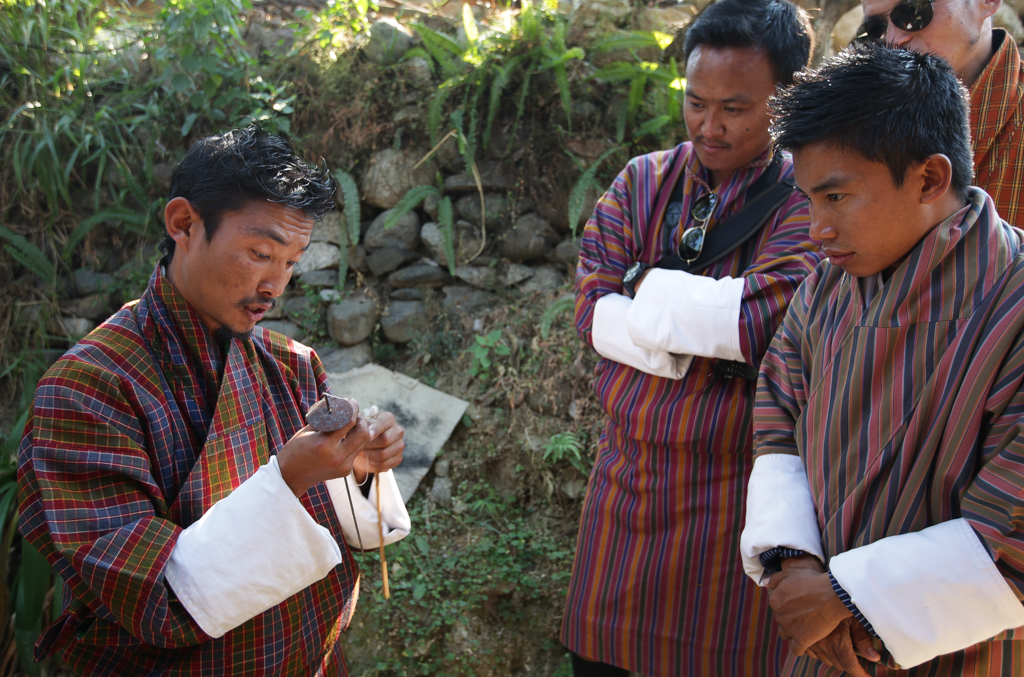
380 534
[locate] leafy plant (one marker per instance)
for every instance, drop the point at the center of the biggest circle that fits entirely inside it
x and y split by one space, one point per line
411 200
348 230
566 446
557 307
587 181
480 353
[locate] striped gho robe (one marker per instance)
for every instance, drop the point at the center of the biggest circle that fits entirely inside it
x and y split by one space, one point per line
889 442
136 432
656 585
997 128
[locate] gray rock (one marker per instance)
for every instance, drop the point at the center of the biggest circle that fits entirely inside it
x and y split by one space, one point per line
340 360
405 234
407 114
465 300
567 252
418 276
495 209
276 312
431 205
408 294
85 282
289 329
529 239
330 296
441 491
545 279
259 39
481 277
72 327
389 41
326 230
320 278
405 320
450 157
417 71
574 488
351 321
442 467
390 176
319 256
494 176
467 241
357 259
301 309
385 260
93 307
515 273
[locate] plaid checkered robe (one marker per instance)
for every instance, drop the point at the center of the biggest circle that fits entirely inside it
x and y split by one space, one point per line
136 432
997 128
907 410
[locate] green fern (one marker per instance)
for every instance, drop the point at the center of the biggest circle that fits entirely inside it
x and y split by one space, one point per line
578 194
350 195
652 126
408 203
552 312
443 49
132 220
28 254
436 108
444 216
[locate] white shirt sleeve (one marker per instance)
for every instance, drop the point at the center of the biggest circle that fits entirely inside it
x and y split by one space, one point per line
780 512
395 522
251 551
677 312
612 341
930 592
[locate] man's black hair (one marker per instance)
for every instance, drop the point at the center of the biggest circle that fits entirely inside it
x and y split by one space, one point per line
225 172
891 105
778 27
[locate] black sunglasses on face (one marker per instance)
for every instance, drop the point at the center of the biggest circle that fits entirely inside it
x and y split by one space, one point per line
911 16
693 238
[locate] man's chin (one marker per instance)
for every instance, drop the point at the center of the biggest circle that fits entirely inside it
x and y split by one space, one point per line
226 334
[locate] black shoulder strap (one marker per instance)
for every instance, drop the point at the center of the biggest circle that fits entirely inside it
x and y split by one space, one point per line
765 197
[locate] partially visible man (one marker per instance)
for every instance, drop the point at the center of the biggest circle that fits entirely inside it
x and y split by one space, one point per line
988 63
167 473
889 424
685 271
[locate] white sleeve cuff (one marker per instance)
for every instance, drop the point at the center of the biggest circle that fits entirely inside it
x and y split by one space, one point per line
678 312
780 512
395 522
930 592
251 551
611 340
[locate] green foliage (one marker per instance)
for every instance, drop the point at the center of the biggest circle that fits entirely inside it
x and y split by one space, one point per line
28 255
330 25
480 353
412 200
347 236
559 306
482 68
563 446
587 181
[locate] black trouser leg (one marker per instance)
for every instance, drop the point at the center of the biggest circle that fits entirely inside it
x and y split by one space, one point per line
581 667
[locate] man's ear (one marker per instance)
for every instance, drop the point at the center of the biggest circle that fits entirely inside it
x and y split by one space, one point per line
936 176
989 7
183 222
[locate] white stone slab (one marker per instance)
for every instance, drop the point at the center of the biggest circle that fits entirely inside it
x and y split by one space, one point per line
429 416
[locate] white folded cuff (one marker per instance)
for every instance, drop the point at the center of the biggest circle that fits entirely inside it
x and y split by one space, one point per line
678 312
930 592
395 522
251 551
611 340
780 512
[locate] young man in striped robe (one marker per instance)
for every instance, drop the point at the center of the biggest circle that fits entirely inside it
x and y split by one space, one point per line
885 507
167 473
657 586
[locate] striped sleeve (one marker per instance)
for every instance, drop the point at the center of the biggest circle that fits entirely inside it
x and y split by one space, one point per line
786 258
606 250
89 504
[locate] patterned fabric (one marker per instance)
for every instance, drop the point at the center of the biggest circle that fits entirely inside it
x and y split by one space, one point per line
907 410
845 598
657 585
136 432
771 559
997 128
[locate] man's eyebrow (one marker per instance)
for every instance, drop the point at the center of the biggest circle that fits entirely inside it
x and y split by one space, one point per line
739 98
831 182
270 235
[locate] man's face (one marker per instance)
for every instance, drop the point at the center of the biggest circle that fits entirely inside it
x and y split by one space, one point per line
863 222
955 29
233 279
726 109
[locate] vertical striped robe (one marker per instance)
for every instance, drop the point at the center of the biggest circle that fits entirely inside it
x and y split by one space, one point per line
997 128
907 412
136 432
657 586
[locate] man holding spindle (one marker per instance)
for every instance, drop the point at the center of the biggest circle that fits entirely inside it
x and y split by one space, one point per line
686 268
167 472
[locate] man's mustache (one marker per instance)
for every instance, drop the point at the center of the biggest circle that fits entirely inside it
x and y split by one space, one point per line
704 139
260 301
